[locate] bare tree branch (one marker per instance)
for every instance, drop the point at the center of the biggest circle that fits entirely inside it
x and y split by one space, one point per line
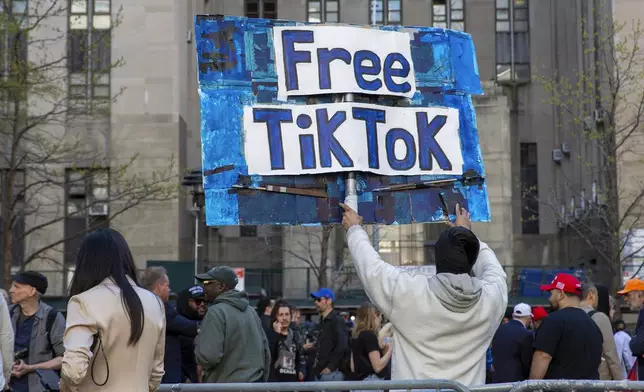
615 88
50 131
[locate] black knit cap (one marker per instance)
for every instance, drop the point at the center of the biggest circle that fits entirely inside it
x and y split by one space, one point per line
33 279
456 251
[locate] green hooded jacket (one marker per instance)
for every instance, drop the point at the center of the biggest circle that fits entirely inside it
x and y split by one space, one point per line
232 345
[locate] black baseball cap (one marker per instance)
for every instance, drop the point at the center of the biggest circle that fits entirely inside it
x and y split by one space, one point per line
196 292
33 279
223 274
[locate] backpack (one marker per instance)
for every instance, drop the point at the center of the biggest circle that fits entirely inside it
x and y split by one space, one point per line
51 318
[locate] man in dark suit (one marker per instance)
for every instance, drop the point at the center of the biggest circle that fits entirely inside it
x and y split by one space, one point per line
512 347
156 280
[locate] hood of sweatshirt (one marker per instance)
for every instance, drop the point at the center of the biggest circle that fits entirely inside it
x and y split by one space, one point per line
458 293
236 299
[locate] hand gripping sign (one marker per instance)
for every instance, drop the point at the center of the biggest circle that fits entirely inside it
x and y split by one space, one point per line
277 133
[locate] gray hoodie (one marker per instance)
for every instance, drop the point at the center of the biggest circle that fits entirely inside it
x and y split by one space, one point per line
442 325
458 293
232 346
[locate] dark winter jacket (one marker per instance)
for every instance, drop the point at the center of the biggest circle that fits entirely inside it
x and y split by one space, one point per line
176 327
637 345
512 352
188 362
332 345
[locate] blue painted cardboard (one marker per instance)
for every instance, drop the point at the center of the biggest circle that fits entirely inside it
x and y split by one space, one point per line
236 69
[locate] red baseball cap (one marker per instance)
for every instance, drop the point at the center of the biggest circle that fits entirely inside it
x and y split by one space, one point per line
539 313
564 282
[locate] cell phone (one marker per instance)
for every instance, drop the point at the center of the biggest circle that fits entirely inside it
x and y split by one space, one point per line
49 379
444 206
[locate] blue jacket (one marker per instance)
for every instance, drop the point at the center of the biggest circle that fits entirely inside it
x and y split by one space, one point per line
512 352
176 326
637 345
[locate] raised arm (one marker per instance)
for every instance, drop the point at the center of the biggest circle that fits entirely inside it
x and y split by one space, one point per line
488 269
383 283
379 279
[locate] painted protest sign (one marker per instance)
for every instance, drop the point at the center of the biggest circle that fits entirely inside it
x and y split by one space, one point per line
274 151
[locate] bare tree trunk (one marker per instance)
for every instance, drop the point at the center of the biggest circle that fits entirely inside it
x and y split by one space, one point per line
7 212
7 254
616 284
613 217
324 256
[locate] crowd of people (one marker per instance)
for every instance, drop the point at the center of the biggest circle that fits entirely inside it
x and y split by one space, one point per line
122 332
577 341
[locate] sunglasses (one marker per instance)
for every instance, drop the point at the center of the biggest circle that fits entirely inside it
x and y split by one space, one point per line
198 301
320 299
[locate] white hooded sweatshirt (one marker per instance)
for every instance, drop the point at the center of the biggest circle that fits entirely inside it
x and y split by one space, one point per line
443 324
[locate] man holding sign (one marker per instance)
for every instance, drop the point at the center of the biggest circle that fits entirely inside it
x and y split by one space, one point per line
442 324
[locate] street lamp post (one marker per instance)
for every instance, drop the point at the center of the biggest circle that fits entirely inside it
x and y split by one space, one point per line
194 180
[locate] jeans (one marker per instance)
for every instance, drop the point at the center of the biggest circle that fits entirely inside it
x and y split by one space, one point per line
371 377
333 376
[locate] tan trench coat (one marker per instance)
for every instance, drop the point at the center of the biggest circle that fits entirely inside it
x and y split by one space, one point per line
136 368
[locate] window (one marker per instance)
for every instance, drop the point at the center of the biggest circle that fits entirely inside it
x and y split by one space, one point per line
448 14
266 9
13 41
89 53
248 231
386 12
323 11
17 215
512 41
86 206
530 189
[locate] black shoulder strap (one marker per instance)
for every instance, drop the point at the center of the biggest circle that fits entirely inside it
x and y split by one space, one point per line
51 318
592 313
12 310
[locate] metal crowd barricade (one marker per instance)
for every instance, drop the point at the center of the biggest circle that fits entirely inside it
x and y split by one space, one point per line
562 385
577 385
438 385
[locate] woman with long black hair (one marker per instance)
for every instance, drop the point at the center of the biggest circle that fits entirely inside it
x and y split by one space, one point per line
115 335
